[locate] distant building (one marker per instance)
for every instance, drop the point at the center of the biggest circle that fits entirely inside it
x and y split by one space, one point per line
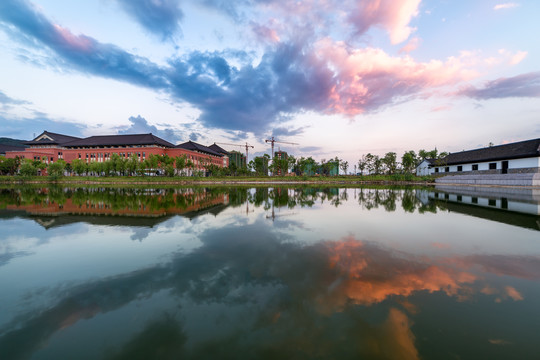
51 147
425 167
510 164
238 159
280 155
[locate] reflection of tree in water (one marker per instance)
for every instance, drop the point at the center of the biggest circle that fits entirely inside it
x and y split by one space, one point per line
136 199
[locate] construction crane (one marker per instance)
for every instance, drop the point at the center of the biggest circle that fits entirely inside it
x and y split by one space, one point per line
247 146
280 142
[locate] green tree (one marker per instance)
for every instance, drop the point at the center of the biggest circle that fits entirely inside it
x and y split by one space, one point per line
408 161
9 166
79 166
390 162
344 166
28 168
132 165
180 162
56 169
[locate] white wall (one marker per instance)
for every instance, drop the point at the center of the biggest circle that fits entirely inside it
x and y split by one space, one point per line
512 164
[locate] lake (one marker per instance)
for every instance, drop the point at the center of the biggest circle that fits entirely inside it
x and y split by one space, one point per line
269 272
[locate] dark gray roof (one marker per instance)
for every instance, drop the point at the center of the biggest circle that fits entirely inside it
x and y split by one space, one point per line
193 146
4 148
218 149
522 149
119 140
57 139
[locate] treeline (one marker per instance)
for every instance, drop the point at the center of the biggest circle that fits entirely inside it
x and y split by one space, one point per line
115 166
163 165
389 165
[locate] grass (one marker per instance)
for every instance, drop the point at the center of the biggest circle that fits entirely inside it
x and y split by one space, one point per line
139 180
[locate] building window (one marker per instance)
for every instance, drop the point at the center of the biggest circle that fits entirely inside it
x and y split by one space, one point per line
460 168
474 200
492 166
447 169
492 202
475 167
436 170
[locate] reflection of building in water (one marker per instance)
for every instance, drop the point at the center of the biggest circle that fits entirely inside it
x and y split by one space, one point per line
514 206
146 210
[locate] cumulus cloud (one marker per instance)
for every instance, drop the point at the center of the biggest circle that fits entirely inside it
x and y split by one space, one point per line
505 6
139 125
525 85
160 17
6 100
83 52
234 92
284 131
411 45
392 15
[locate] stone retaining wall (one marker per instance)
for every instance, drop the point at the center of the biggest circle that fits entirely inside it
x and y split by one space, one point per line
515 179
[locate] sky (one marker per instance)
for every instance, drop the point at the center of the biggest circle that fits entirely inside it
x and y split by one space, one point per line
337 77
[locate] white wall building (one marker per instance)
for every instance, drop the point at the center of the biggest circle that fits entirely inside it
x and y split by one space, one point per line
499 163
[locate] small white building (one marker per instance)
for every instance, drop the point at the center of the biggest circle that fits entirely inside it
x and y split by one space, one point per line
425 167
495 165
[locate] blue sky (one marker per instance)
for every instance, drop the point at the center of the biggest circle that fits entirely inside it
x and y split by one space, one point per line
340 78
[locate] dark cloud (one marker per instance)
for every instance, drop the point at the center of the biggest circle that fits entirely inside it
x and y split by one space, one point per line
83 52
139 125
524 85
6 100
26 128
195 136
161 18
289 77
283 131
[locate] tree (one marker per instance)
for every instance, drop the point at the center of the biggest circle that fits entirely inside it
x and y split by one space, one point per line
292 162
408 161
132 164
28 168
362 164
180 162
79 166
9 166
344 166
56 169
389 161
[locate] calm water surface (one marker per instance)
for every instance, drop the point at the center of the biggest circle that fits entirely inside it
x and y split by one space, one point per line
247 273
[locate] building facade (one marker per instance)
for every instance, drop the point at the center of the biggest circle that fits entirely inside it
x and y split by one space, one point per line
514 158
51 147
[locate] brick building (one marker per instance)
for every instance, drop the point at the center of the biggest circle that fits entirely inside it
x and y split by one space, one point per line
51 147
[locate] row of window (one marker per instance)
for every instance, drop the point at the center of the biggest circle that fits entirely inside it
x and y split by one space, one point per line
492 166
108 155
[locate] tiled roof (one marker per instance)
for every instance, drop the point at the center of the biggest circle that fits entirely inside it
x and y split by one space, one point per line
58 139
4 148
193 146
218 149
522 149
119 140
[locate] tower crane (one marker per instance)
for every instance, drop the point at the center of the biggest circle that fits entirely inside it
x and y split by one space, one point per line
272 141
247 146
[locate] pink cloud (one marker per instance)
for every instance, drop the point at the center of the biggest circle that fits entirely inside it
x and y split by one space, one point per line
513 293
265 34
505 6
410 46
78 43
392 15
366 79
